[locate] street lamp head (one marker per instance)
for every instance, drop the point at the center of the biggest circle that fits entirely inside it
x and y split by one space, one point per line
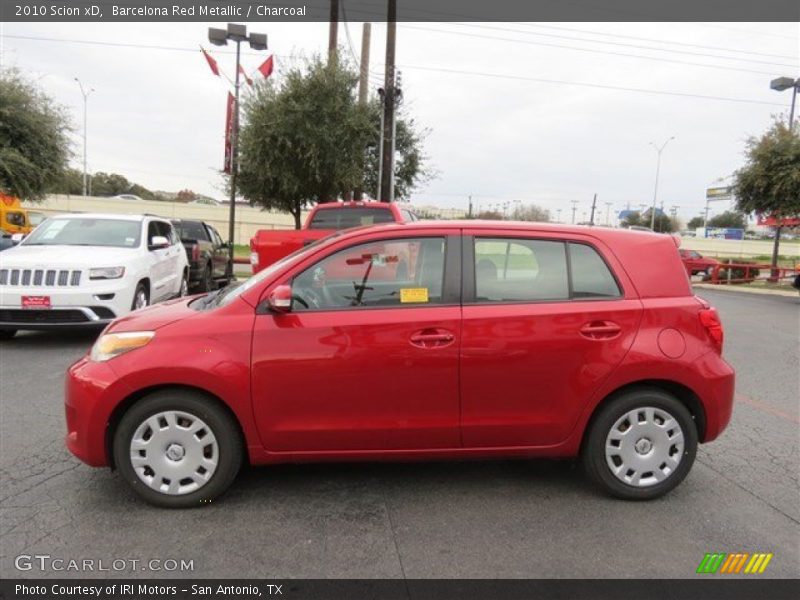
218 37
258 41
237 32
782 83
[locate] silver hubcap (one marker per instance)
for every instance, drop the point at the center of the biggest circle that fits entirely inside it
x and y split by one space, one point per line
174 452
644 447
141 300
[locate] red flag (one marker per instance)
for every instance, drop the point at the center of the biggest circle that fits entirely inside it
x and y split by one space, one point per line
211 62
246 78
266 68
228 134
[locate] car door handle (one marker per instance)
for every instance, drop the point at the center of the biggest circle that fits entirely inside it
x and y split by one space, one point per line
600 330
431 338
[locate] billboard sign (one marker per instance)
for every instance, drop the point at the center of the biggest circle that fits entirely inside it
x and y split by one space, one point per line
719 193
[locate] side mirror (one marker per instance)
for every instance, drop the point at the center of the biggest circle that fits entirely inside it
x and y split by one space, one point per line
158 242
279 299
16 238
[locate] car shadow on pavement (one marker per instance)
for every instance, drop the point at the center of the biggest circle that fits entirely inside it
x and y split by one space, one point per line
53 339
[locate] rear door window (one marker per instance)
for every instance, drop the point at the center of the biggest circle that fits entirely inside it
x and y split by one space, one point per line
591 277
520 270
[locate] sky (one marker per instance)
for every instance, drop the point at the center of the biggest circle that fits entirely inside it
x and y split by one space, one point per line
517 113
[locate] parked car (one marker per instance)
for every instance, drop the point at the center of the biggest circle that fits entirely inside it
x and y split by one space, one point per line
207 254
84 270
13 217
268 246
695 263
6 240
498 340
126 197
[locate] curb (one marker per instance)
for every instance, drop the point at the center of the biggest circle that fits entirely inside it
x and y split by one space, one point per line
790 293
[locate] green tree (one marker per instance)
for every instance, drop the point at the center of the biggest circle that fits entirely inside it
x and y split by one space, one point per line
769 181
34 147
662 224
531 212
730 218
69 181
308 140
695 222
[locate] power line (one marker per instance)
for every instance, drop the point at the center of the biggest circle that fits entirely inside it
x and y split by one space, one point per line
585 84
417 67
566 37
589 50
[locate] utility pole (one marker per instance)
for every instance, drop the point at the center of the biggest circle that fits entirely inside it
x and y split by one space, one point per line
333 32
574 208
659 149
363 92
558 215
594 203
389 105
608 213
469 214
85 93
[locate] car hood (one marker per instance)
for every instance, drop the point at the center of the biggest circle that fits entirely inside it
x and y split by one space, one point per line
154 317
70 257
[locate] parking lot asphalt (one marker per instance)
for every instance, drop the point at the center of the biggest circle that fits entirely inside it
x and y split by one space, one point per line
488 519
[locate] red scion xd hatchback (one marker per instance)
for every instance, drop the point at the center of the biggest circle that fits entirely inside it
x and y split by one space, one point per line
415 341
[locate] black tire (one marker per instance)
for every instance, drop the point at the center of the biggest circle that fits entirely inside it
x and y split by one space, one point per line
141 288
594 449
207 279
218 420
7 334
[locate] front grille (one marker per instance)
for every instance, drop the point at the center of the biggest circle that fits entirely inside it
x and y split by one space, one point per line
14 315
37 277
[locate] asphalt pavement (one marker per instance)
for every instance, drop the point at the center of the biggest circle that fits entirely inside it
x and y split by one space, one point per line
487 519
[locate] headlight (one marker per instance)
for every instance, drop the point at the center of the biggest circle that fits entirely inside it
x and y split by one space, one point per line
114 344
107 273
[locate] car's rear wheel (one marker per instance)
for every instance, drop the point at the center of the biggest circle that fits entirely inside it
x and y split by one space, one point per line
178 449
141 297
641 445
7 334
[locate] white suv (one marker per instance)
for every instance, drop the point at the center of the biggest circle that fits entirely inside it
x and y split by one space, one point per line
87 269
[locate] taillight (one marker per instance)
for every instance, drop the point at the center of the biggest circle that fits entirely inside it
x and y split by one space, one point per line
196 252
710 320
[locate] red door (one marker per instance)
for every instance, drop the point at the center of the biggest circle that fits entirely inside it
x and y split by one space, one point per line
362 362
535 347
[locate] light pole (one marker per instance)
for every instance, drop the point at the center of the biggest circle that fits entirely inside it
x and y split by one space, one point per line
85 93
258 41
782 84
659 149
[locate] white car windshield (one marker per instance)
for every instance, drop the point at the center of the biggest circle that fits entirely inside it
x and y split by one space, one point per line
117 233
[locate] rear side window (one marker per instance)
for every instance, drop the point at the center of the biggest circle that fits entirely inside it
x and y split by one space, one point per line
591 277
344 218
520 270
191 230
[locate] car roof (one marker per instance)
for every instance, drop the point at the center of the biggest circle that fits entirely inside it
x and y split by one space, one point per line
118 217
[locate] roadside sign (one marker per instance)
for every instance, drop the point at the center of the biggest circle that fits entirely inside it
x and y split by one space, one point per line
719 193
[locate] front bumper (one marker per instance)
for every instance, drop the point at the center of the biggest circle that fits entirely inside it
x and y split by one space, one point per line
89 390
94 305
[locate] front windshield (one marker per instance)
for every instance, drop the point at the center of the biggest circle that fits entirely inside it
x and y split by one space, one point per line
116 233
228 294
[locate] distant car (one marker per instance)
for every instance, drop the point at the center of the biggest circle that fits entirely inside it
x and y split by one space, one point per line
497 340
695 263
84 270
688 233
638 228
126 197
208 255
6 240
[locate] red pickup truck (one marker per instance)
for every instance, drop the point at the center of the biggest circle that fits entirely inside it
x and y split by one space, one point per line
269 246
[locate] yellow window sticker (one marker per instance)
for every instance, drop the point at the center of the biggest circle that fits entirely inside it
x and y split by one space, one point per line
408 295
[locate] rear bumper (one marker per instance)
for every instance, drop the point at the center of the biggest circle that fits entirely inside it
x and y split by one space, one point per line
717 397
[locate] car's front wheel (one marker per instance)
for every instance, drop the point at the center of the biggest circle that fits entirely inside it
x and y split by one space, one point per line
178 449
641 445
